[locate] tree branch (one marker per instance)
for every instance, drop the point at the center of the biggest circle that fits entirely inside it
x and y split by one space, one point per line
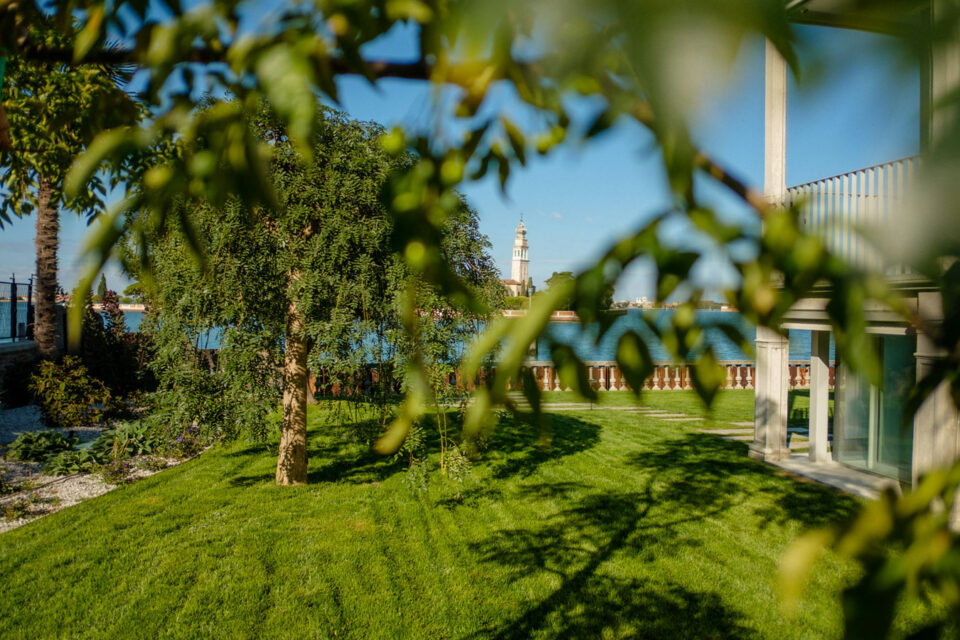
377 69
113 57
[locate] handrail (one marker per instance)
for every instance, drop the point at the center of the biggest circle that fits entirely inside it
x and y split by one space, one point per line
846 173
839 207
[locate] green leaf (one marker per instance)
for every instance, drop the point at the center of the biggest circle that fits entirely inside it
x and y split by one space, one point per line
633 358
707 376
90 34
572 371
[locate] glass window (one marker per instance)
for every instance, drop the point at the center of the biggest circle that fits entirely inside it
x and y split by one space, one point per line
870 432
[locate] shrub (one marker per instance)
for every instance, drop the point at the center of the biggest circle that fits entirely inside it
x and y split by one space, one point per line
39 446
516 302
152 463
186 444
68 395
115 471
68 463
16 508
15 384
126 440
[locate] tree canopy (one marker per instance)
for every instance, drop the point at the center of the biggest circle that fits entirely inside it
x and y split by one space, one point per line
317 272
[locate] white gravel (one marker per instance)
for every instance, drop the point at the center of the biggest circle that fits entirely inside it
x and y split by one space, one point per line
41 495
37 494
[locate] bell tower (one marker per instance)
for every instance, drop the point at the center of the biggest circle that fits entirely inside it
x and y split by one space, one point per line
520 267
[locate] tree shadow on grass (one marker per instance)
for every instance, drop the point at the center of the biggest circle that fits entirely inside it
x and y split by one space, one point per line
514 450
811 504
690 479
706 472
697 472
593 601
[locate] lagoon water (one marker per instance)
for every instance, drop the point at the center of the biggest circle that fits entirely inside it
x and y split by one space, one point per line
583 341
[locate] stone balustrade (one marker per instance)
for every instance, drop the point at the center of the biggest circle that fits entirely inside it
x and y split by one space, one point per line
604 376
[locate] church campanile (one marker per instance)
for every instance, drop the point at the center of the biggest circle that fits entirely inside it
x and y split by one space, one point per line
520 267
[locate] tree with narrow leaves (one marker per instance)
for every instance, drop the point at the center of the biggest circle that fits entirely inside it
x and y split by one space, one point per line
309 284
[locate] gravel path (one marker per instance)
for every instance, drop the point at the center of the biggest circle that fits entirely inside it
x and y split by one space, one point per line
13 422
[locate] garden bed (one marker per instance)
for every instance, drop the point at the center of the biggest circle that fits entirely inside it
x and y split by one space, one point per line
37 495
28 493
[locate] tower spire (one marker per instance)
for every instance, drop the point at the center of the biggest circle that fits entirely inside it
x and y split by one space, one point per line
520 267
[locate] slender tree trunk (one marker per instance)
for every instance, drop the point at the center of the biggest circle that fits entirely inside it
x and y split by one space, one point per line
292 460
47 243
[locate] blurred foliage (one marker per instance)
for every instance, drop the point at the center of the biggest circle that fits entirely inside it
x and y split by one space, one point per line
908 551
516 302
650 61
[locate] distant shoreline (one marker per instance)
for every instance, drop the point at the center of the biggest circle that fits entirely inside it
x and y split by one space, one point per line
124 306
571 316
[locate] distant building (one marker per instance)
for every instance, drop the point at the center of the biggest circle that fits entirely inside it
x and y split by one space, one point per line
519 280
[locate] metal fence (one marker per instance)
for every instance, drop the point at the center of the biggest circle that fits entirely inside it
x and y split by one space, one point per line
16 310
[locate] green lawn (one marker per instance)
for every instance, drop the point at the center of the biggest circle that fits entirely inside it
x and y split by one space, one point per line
625 527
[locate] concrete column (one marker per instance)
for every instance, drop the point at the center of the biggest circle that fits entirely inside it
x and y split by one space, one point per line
944 78
936 432
819 395
771 388
775 126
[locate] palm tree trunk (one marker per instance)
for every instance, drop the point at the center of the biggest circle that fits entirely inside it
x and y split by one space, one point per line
47 243
292 459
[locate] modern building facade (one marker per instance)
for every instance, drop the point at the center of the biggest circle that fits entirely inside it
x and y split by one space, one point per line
869 432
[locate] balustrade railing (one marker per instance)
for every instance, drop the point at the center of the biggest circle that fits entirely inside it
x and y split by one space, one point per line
606 376
839 208
603 376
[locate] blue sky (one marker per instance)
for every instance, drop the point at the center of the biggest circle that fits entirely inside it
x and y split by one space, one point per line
863 111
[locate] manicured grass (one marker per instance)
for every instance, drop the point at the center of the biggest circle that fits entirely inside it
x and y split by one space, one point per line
729 405
624 527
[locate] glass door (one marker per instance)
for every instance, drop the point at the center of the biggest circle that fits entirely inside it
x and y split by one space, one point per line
870 431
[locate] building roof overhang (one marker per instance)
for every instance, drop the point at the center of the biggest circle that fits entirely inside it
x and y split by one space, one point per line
894 18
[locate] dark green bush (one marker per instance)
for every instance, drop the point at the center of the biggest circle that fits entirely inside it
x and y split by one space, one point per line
15 385
119 358
70 462
39 446
115 471
126 440
68 395
152 463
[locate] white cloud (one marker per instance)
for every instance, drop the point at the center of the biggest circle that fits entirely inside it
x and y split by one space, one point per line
556 215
